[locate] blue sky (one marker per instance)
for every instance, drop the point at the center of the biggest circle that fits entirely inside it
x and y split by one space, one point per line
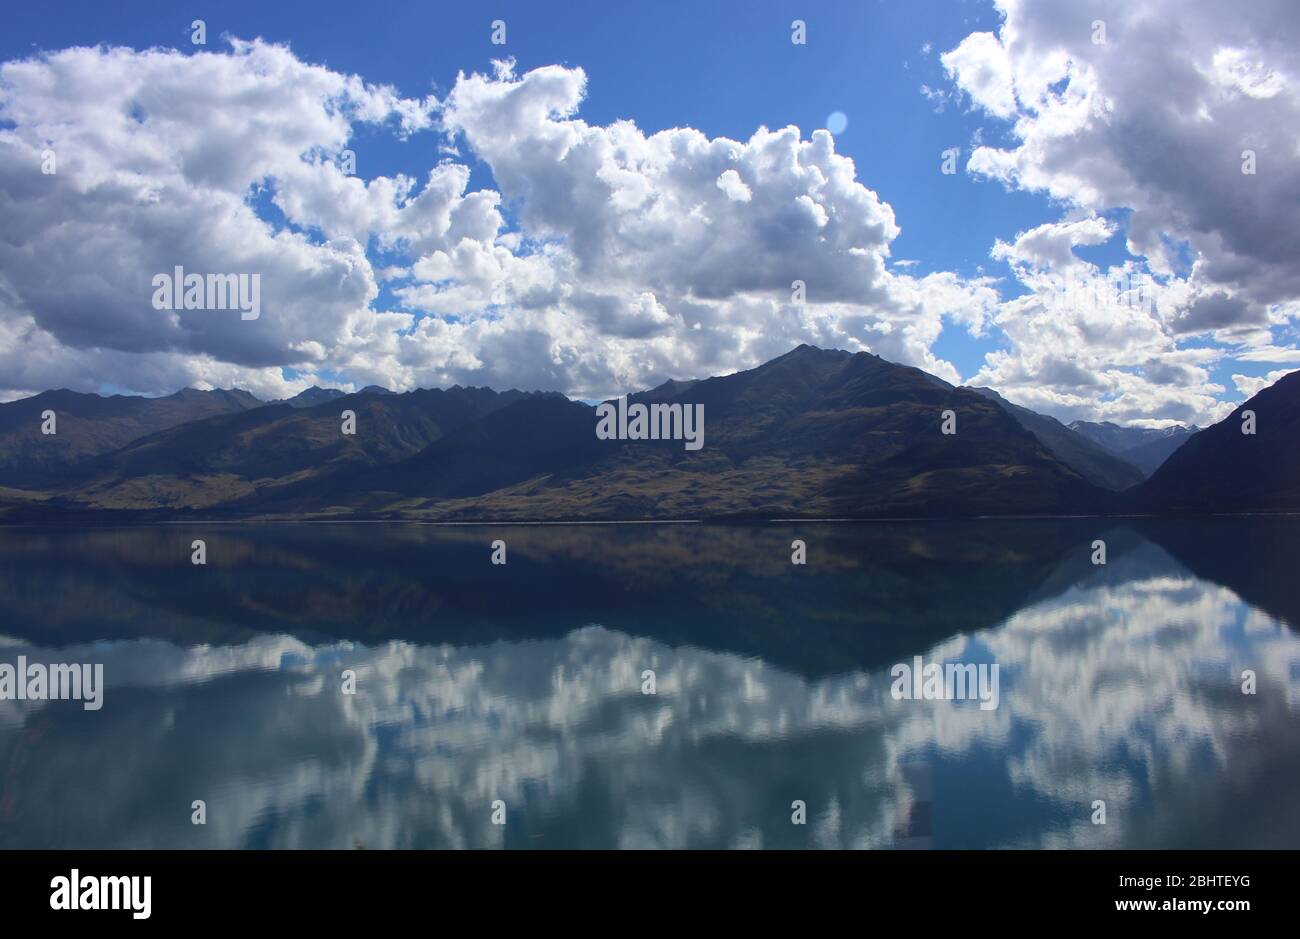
721 68
724 69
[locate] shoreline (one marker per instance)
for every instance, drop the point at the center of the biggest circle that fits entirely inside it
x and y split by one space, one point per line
107 520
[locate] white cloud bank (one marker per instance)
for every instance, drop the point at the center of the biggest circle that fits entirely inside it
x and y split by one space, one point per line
1148 108
635 257
611 259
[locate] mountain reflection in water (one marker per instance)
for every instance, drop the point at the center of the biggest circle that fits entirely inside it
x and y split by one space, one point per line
523 683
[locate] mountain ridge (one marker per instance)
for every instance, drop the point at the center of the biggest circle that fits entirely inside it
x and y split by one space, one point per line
813 433
1233 471
1144 447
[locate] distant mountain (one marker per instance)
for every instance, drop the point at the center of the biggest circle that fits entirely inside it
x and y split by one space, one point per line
1150 456
1144 447
263 455
312 397
88 425
1091 460
1221 469
813 433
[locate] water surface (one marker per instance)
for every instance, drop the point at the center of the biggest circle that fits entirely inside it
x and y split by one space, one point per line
523 683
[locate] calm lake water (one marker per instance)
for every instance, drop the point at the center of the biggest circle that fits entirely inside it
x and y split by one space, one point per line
523 683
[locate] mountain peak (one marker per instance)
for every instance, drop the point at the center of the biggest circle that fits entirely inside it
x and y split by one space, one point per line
804 350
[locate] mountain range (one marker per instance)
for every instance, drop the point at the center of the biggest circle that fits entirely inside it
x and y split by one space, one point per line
1144 447
812 434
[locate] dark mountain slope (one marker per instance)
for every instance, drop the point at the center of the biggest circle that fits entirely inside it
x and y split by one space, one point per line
89 425
542 434
812 433
1220 469
1089 459
279 449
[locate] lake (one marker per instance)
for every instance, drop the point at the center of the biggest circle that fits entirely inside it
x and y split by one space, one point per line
516 692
